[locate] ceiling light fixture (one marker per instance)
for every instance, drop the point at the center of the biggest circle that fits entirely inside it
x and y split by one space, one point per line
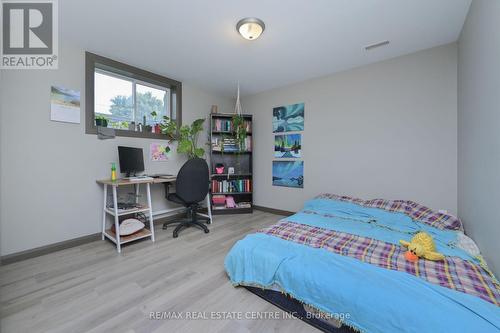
250 28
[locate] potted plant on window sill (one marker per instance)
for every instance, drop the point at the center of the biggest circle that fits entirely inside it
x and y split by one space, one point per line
101 121
146 128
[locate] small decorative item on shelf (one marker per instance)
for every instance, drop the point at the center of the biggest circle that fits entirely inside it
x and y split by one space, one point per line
219 168
230 203
101 121
214 109
131 126
230 171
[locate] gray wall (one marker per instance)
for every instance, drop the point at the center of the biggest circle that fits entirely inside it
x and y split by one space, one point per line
48 169
384 130
479 127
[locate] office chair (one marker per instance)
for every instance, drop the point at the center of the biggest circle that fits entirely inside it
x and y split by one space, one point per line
191 187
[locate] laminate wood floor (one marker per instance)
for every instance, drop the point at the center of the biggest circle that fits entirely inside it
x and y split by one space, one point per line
92 288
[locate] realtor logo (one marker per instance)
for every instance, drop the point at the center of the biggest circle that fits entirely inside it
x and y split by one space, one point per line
29 34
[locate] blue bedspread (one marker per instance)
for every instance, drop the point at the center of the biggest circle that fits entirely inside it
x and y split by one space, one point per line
370 298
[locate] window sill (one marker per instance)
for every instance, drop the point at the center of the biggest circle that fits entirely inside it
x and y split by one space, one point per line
131 134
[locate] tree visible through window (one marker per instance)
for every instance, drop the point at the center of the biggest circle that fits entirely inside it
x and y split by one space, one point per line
129 104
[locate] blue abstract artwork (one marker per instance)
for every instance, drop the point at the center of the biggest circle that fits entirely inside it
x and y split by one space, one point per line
288 118
288 173
287 146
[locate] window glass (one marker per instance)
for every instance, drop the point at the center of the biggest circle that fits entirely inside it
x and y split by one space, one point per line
151 100
129 99
114 99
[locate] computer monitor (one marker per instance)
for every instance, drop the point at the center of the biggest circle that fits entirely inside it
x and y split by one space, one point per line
131 160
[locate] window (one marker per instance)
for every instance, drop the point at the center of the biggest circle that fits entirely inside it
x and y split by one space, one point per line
131 100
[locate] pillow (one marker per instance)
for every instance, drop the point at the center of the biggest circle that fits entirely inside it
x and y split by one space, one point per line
130 226
467 244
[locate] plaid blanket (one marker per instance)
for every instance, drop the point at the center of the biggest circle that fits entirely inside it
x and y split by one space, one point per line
412 209
452 272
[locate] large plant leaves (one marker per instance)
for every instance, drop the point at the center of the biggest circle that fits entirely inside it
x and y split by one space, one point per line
184 146
199 152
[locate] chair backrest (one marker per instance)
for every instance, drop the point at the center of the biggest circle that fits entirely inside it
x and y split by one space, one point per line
192 181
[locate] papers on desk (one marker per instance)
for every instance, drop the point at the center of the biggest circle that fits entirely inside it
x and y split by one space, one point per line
168 177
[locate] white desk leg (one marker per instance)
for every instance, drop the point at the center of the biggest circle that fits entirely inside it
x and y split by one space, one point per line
136 193
105 202
151 223
209 208
117 221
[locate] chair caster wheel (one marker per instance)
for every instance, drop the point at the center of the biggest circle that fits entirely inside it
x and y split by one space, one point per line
207 231
175 235
164 227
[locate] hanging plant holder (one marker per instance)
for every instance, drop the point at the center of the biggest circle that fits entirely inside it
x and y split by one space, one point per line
239 125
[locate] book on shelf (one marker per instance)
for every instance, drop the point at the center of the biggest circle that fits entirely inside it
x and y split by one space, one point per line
230 145
226 125
231 186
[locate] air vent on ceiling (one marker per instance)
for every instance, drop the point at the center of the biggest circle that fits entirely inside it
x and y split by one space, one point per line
374 46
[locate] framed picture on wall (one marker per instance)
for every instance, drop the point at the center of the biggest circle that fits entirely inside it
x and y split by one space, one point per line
64 105
288 173
288 118
287 146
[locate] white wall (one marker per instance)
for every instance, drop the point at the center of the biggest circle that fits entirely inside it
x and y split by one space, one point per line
479 127
48 169
384 130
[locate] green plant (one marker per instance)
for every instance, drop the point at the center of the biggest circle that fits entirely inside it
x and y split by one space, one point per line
186 136
101 121
240 131
123 125
101 117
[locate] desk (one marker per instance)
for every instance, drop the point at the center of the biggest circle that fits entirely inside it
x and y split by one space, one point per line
145 208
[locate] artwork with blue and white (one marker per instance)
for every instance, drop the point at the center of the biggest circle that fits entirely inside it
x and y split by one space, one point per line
288 173
287 146
64 105
288 118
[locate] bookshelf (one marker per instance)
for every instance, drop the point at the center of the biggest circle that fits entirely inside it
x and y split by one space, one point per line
223 150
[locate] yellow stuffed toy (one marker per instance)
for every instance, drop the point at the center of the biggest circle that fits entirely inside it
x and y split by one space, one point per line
421 246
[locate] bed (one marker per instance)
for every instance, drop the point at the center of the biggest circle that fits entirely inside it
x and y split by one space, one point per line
341 256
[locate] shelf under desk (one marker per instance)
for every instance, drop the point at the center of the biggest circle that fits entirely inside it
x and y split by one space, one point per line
147 208
116 213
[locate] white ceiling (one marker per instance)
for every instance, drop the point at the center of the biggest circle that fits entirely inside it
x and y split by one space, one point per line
196 40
